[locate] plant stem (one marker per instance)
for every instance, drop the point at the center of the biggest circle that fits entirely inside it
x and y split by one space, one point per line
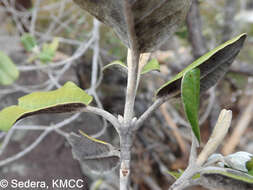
126 128
132 85
126 142
195 164
132 62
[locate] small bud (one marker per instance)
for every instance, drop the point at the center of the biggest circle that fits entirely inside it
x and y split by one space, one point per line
238 160
133 121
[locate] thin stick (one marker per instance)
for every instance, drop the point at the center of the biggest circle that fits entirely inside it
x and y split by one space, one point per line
106 115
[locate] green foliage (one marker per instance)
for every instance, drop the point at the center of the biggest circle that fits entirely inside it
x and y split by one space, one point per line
213 65
48 51
182 33
231 173
116 63
227 172
28 41
177 175
68 98
190 97
249 166
150 66
46 54
8 70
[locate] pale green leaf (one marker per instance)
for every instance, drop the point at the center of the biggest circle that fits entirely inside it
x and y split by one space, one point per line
152 65
54 45
177 175
8 70
190 97
9 116
231 173
48 51
28 41
117 63
68 98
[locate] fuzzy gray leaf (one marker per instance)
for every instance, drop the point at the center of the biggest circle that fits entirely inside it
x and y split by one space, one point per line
155 20
97 155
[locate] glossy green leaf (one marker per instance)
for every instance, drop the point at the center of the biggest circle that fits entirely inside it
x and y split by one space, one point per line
28 41
98 155
152 65
68 98
213 66
190 97
8 70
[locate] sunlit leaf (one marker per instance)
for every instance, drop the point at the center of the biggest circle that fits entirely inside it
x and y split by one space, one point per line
98 155
8 70
213 66
28 41
152 65
190 97
68 98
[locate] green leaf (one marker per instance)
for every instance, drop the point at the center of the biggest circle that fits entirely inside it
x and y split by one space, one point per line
117 63
54 45
48 51
68 98
231 173
98 155
251 172
213 66
190 98
177 175
249 165
151 66
28 41
8 70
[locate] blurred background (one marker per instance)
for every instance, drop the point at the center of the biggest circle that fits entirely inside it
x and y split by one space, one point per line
31 151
